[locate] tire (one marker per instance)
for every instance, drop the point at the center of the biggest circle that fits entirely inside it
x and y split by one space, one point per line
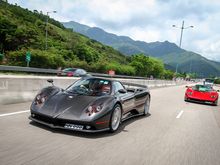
215 103
115 120
146 105
186 99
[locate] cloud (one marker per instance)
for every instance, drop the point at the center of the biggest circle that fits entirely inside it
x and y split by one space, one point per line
148 20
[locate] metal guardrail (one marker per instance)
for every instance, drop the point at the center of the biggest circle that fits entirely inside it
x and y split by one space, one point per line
27 69
54 71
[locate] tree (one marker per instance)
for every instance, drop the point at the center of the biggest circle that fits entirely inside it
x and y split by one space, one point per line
1 57
168 74
158 68
7 30
142 64
147 66
87 54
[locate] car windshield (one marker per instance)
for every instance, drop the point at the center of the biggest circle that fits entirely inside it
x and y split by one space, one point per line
202 88
91 87
209 80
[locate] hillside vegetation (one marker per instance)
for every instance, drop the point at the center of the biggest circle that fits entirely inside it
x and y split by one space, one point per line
22 30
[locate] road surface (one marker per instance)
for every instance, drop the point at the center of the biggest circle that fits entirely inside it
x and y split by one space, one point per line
176 133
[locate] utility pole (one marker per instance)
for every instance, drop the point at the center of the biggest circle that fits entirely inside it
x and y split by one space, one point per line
181 37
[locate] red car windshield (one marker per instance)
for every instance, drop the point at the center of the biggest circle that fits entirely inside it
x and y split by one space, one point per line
202 88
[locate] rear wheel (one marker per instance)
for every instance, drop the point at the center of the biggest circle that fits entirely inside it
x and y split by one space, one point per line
147 105
115 118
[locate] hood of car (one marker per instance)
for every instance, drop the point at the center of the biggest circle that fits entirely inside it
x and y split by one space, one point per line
65 103
70 106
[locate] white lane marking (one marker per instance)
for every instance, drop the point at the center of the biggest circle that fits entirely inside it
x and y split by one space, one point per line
14 113
179 115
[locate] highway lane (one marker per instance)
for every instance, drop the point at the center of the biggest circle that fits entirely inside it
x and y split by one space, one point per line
176 132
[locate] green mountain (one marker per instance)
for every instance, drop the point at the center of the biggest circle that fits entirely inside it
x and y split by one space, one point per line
192 62
22 30
170 53
123 43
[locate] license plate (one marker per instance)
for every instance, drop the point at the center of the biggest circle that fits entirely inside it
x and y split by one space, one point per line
73 126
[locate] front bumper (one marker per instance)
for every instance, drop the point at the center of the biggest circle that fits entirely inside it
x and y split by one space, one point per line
60 124
192 99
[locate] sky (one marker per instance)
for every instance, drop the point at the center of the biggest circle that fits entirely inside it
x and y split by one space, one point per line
145 20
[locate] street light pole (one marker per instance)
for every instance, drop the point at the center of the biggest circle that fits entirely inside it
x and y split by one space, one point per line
181 37
46 27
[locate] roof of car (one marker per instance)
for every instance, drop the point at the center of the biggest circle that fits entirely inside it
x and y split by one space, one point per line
72 68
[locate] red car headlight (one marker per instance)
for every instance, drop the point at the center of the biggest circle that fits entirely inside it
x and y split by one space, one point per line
189 93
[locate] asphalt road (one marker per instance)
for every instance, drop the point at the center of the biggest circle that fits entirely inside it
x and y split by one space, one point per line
176 133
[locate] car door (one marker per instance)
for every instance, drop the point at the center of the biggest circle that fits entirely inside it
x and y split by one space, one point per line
127 99
140 98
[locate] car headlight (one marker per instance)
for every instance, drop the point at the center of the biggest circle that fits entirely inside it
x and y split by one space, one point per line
189 93
43 99
93 109
40 99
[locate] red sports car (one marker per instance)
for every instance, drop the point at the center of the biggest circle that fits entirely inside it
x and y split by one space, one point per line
202 93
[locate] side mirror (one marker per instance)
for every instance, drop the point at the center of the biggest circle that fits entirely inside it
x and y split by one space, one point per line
50 81
122 91
187 86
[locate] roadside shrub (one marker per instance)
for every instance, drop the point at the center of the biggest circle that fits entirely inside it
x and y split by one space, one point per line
217 81
168 74
16 58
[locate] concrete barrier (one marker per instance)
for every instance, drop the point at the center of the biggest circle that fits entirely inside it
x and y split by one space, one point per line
15 89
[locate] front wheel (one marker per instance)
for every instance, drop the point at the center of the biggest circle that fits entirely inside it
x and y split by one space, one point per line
147 105
115 118
215 103
186 99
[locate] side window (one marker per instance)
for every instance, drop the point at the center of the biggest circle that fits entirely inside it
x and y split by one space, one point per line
83 71
118 86
78 71
72 70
